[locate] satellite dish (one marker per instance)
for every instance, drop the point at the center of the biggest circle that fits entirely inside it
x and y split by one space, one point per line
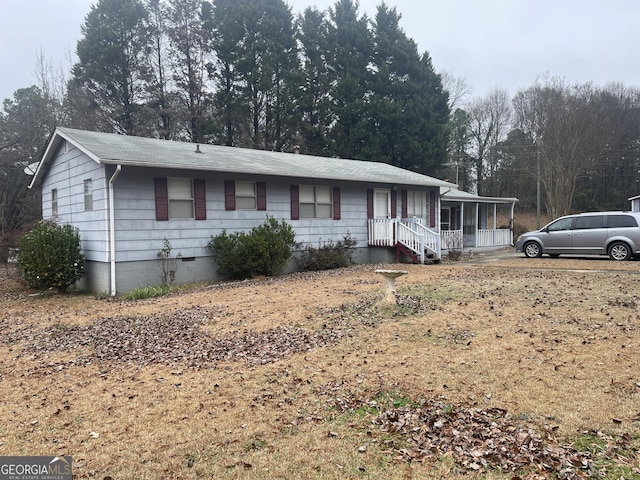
31 168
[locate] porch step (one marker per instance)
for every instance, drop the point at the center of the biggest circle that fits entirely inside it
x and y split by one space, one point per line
402 250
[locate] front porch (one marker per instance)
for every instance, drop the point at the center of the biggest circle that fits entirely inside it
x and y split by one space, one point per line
469 221
409 237
483 238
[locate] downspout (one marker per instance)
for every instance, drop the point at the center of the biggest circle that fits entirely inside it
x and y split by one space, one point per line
112 231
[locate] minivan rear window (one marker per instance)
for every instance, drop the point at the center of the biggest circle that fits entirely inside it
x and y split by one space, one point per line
590 221
618 221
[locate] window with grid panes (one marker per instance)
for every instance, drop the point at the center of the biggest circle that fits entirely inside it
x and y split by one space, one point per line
316 202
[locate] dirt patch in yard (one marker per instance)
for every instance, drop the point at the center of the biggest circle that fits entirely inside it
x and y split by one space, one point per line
495 364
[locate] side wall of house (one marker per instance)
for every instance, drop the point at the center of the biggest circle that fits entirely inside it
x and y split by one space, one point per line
66 176
139 236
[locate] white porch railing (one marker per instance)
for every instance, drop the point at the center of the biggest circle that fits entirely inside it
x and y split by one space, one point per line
410 238
495 238
381 232
452 239
431 238
408 232
421 240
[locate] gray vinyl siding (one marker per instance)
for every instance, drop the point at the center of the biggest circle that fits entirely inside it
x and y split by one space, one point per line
139 236
67 174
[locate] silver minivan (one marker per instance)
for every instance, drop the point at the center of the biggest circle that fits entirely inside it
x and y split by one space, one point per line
616 234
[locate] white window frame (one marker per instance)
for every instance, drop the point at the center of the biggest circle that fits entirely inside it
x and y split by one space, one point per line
246 196
180 196
314 203
54 202
417 205
88 195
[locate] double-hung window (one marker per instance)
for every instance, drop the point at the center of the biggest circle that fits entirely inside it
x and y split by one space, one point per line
311 201
180 198
180 191
316 202
246 196
417 206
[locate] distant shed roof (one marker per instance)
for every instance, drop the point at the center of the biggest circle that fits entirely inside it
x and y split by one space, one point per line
110 148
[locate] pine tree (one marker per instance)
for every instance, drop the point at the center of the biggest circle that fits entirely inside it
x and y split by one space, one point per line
314 102
190 52
352 53
407 107
108 83
257 62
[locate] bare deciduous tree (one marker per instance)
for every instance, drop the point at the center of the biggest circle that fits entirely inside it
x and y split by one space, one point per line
570 126
458 89
489 123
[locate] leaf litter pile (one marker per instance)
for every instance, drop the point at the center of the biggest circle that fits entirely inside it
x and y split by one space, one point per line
480 439
174 340
476 439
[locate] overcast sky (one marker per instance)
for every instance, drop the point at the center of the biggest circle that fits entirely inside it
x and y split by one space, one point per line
490 43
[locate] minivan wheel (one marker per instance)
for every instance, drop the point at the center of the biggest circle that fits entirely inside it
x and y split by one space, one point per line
532 250
619 251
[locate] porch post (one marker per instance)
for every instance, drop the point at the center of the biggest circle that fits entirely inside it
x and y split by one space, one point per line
513 204
475 236
495 212
461 224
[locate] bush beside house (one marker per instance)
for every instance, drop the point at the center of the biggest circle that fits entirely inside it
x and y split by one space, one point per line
50 256
263 251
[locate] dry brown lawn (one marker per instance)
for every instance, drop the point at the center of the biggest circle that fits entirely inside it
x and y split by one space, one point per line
309 376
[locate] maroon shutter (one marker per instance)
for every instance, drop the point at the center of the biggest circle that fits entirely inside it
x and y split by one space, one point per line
199 199
261 195
432 209
369 202
295 202
394 204
403 199
229 195
162 199
336 203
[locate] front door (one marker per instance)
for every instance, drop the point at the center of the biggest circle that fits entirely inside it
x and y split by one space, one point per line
382 204
382 213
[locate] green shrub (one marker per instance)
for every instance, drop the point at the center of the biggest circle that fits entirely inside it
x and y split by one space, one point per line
50 256
150 291
328 255
263 251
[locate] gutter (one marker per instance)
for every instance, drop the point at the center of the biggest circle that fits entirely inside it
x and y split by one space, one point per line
112 230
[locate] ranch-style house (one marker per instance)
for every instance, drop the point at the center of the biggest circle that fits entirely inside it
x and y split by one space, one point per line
127 194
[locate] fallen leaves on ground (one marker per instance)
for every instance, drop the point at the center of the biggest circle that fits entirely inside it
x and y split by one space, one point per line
169 340
480 439
179 339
